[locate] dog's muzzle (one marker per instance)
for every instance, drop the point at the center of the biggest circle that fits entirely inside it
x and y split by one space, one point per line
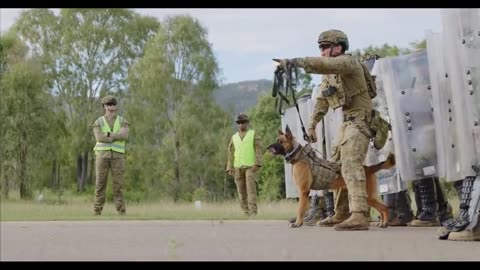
276 149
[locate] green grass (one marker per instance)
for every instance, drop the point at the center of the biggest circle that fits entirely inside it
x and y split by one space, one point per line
16 210
80 207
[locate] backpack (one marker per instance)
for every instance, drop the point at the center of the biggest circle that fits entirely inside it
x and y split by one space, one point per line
371 86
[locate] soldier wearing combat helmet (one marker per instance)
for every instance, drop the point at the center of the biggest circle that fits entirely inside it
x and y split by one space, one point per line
343 86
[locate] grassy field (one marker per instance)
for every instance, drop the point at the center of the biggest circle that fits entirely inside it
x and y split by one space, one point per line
81 208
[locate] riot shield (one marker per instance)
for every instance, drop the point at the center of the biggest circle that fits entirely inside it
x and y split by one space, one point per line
388 181
406 84
462 42
319 129
443 112
369 63
290 118
375 156
332 122
305 106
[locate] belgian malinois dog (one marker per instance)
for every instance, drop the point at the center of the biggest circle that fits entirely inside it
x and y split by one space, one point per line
304 180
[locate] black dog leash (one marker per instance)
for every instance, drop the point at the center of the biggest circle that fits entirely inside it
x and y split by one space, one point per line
291 83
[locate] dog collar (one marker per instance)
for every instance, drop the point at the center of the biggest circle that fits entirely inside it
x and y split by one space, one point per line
289 156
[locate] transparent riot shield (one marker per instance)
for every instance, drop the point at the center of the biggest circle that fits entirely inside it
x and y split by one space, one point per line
462 42
319 129
443 112
327 131
305 106
290 118
332 122
407 89
388 181
370 63
375 156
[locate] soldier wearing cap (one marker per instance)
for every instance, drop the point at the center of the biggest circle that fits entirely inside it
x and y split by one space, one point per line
343 86
111 132
244 160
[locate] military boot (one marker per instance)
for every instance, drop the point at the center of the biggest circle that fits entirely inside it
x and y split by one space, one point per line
467 234
307 213
329 204
316 214
404 211
389 202
428 215
471 232
358 219
458 187
418 200
341 210
444 208
461 222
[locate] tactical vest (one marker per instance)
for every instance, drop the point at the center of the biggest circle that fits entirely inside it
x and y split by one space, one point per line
324 172
117 146
337 93
244 149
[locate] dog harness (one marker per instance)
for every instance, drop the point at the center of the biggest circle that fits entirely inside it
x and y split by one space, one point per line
324 172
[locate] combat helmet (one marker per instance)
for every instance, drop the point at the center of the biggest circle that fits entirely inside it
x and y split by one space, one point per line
335 37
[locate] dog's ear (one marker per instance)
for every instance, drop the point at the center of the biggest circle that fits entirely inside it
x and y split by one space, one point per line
280 132
288 132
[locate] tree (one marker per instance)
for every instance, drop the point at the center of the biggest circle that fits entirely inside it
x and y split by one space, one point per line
85 53
266 121
174 118
24 108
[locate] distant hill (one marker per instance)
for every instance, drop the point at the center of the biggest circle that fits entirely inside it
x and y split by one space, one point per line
242 95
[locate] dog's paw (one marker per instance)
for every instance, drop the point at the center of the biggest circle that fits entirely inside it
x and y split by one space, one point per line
379 224
382 225
375 224
294 225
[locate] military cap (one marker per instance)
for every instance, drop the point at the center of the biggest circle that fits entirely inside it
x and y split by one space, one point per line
242 118
109 99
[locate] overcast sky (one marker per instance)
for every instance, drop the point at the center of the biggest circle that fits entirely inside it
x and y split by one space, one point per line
245 40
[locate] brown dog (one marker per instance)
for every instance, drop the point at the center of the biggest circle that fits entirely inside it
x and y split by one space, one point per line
298 155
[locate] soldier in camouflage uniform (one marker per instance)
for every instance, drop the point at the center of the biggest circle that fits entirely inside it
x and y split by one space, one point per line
344 86
111 132
244 160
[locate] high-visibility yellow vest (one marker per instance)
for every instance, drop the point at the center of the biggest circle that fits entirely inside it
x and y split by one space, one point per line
117 146
244 149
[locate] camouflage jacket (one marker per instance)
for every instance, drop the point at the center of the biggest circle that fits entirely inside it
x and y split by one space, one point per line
342 71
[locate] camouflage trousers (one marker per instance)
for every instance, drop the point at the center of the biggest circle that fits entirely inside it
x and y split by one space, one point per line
341 202
351 149
247 189
102 166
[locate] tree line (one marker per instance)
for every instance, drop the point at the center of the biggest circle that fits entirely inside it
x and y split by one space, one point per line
54 68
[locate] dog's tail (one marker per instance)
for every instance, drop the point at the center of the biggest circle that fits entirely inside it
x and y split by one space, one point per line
389 163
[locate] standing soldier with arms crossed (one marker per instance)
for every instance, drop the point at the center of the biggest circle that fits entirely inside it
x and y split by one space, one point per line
111 132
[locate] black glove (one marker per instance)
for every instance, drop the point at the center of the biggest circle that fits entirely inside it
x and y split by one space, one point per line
284 64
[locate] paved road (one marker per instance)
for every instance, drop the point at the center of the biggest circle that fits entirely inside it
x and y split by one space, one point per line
220 241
